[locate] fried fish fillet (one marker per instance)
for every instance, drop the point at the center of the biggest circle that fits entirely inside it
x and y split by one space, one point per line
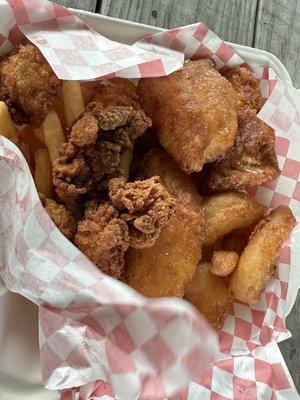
250 162
194 113
246 87
167 267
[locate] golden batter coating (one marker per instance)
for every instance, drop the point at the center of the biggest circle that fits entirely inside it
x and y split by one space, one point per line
246 87
194 113
166 268
27 84
209 294
250 162
258 260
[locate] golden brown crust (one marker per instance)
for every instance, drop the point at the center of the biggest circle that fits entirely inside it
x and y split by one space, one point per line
223 262
63 219
145 205
165 268
27 84
225 212
246 87
250 162
113 95
103 237
194 113
256 264
209 294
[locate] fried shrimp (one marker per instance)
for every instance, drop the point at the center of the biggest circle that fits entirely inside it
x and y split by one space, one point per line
256 264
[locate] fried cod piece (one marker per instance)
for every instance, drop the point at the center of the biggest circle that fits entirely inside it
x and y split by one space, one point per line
251 161
246 87
166 268
209 294
28 85
194 113
145 205
63 218
258 260
92 154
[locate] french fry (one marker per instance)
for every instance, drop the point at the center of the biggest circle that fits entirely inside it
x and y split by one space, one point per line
72 99
43 172
39 134
7 128
224 262
53 134
86 94
125 162
258 260
225 212
29 140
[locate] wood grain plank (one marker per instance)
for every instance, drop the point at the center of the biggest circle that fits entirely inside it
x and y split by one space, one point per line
278 31
290 348
87 5
233 20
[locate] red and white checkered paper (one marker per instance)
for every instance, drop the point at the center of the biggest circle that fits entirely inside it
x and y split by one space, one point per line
97 335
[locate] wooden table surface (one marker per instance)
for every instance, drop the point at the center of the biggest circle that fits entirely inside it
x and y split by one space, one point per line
272 25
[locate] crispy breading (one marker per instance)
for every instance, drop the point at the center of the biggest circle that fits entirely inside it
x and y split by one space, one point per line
103 237
246 87
258 260
134 216
225 212
223 262
209 294
194 113
166 268
63 219
27 84
92 154
113 95
250 162
145 205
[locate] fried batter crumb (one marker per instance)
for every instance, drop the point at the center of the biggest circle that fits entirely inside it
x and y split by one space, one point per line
250 162
92 154
27 84
145 205
103 237
246 88
63 219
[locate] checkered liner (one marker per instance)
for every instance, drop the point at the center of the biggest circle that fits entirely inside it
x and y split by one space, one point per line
74 50
101 336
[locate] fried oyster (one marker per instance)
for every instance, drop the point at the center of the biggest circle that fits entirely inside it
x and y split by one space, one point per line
92 154
134 216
